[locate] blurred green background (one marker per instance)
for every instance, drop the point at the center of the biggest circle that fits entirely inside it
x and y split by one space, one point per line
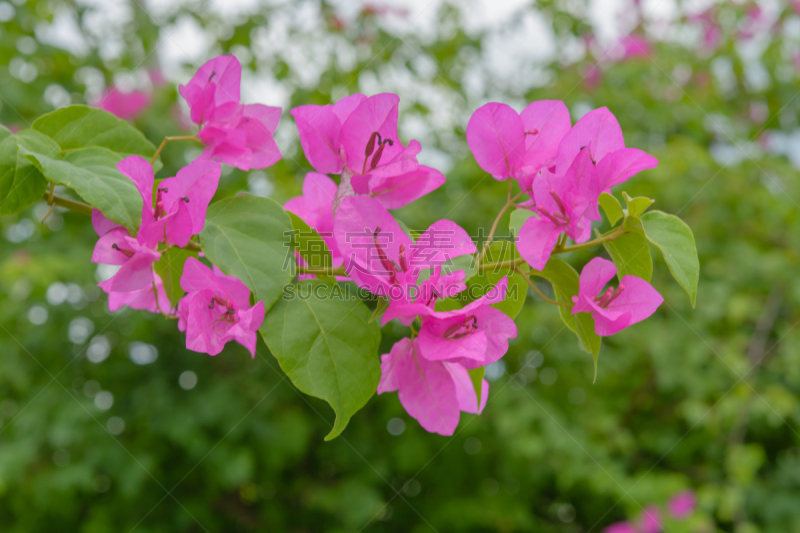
107 422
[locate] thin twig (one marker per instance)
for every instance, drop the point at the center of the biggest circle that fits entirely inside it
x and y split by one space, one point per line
168 139
536 289
69 203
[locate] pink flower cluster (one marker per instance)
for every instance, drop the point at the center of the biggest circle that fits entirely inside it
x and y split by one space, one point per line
680 507
564 168
240 135
216 308
357 138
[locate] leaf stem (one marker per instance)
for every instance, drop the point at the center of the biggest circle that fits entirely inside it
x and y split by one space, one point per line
536 289
80 207
173 138
511 263
594 242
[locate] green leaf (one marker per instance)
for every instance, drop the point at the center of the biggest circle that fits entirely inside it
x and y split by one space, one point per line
638 205
518 218
21 183
630 251
79 147
566 280
674 238
327 346
251 238
90 172
612 208
309 244
78 126
476 376
483 282
380 309
170 268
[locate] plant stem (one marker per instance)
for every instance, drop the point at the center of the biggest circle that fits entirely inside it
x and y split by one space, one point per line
536 289
80 207
324 271
511 263
174 138
509 203
594 242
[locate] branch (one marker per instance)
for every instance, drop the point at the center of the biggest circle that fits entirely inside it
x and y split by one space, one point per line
594 242
168 139
509 203
63 201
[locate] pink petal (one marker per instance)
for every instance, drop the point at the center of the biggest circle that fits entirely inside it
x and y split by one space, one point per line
135 274
320 136
551 120
441 242
536 240
617 167
358 219
597 129
205 332
435 347
496 137
143 299
140 171
215 84
105 251
374 114
594 277
398 191
198 182
347 105
465 390
235 288
425 388
638 301
101 224
259 123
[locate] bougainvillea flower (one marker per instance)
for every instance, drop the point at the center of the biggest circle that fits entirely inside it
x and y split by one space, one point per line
682 504
613 309
474 336
650 521
181 202
133 283
245 141
125 105
598 130
144 299
213 92
507 144
383 259
565 204
620 527
216 310
358 138
314 208
432 392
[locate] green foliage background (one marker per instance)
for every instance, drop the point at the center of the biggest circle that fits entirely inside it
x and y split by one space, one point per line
703 399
